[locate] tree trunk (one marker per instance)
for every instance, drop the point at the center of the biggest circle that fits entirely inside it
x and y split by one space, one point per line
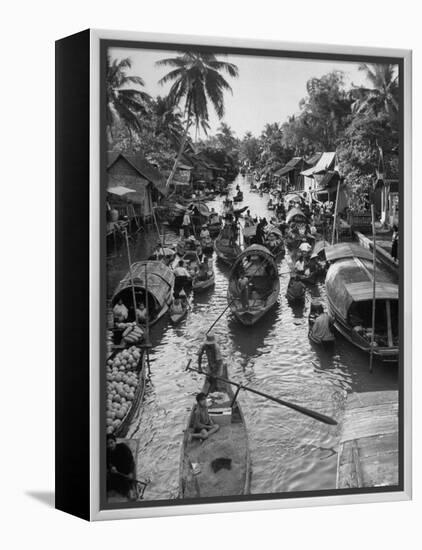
180 152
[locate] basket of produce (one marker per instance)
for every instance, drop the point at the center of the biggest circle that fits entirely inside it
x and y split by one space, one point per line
125 389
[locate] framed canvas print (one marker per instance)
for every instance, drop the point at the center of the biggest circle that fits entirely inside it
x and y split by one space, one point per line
233 274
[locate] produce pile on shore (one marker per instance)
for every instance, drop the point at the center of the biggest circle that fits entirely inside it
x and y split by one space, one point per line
122 382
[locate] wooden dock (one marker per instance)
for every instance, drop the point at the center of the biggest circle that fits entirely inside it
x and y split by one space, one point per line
368 453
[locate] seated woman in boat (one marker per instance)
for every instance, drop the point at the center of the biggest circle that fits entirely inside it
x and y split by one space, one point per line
203 271
248 218
205 234
202 424
321 330
120 467
120 312
305 247
141 313
177 306
295 288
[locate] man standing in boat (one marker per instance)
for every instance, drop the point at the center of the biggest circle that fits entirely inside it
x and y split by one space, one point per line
213 353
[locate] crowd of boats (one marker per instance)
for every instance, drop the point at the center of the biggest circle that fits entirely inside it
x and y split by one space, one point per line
253 248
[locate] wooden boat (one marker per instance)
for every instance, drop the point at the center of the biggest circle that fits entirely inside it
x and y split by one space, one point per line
140 370
274 242
197 477
214 225
176 317
202 285
349 287
149 276
226 246
295 293
238 197
138 487
259 266
207 245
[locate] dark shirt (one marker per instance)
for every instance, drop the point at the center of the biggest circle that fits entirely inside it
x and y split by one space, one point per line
121 458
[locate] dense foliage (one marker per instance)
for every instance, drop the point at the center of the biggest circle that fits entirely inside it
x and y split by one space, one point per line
355 122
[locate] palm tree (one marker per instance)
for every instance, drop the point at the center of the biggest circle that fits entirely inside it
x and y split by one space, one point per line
383 96
197 80
168 119
124 103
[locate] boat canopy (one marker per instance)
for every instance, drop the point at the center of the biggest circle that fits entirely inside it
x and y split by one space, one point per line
347 250
160 279
275 231
319 247
351 280
257 249
295 213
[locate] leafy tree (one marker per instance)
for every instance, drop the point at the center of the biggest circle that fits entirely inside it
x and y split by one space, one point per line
323 116
250 149
124 104
197 80
384 94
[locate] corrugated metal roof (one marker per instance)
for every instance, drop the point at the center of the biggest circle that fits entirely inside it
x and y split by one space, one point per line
119 190
326 162
347 250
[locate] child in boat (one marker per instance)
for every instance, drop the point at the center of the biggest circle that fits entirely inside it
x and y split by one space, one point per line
120 312
203 426
141 313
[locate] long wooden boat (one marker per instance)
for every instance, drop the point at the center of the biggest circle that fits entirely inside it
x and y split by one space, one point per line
152 277
226 245
177 316
349 287
197 477
238 197
140 370
202 285
259 266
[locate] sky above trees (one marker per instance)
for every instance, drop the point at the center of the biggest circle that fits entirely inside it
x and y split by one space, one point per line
267 90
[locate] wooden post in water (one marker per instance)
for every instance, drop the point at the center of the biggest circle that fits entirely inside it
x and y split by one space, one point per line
147 343
374 301
335 214
130 273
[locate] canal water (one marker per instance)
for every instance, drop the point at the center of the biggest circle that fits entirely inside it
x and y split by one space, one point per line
289 451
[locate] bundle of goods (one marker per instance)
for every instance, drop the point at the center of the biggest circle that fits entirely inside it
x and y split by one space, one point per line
132 334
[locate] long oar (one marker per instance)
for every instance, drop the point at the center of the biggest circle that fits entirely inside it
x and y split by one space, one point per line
303 410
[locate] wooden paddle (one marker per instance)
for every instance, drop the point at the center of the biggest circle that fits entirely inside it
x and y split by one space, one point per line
303 410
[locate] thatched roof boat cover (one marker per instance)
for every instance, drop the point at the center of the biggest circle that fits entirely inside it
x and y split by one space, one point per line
160 280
